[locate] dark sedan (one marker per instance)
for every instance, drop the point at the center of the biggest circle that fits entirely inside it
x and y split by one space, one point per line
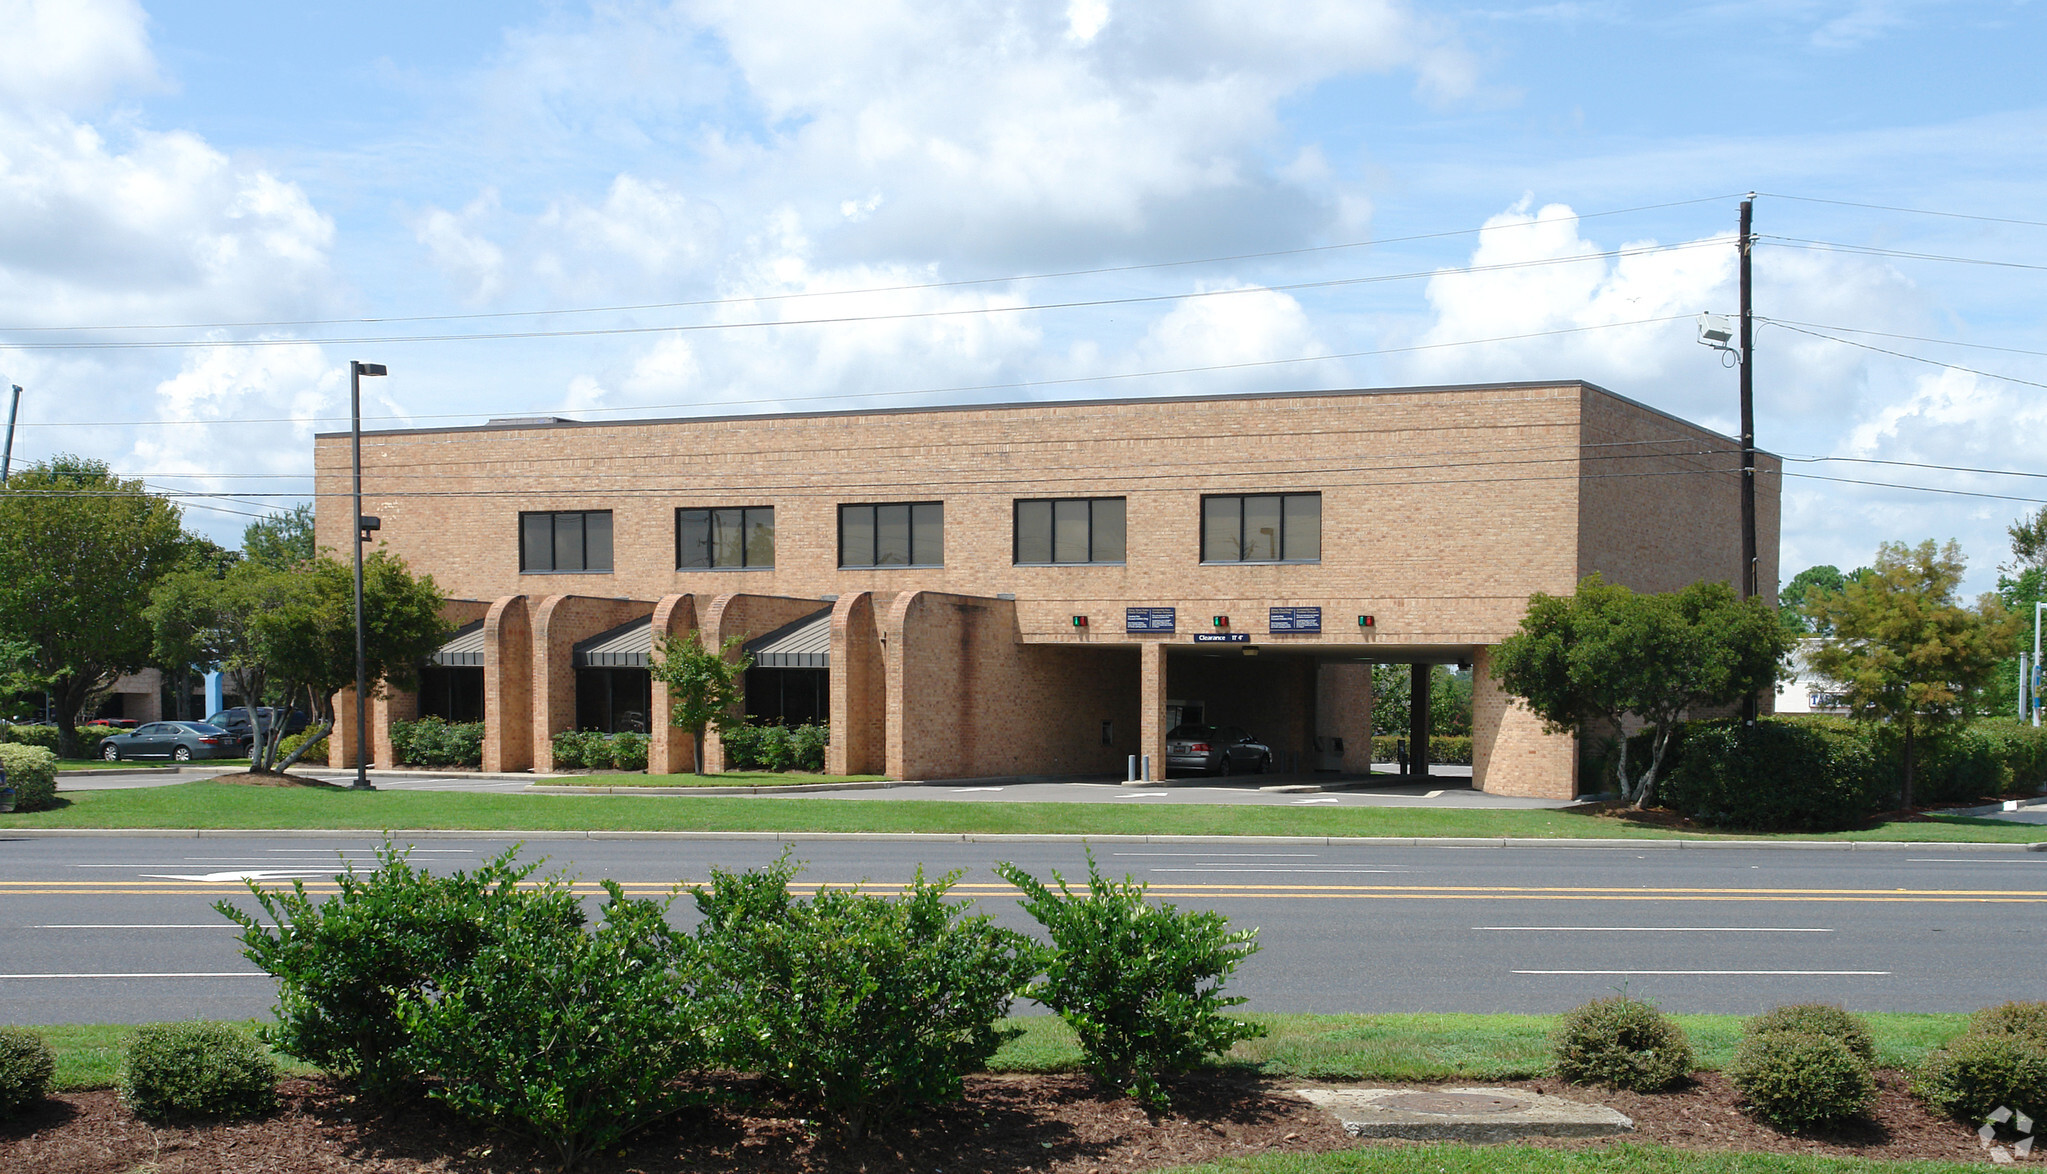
1219 750
177 741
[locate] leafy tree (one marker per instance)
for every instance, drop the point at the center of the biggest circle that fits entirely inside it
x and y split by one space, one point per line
1449 699
1805 586
704 687
79 551
283 539
2029 541
1904 649
1595 658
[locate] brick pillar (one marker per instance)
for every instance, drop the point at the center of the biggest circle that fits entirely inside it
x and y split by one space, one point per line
390 705
341 742
859 694
668 748
508 685
1151 702
1344 710
1511 754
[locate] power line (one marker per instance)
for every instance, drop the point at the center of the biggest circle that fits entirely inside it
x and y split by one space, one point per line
847 319
1980 346
862 395
1913 211
1902 355
1919 465
734 301
1921 488
1874 251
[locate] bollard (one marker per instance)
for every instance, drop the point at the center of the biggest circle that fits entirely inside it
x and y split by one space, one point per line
1147 768
1130 772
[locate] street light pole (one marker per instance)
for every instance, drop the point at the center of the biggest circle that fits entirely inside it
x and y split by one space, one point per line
7 456
2037 608
1750 584
362 699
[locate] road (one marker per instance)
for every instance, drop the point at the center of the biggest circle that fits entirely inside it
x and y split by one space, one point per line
120 929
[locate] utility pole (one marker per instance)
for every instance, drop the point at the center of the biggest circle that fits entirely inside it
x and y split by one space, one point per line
1750 588
363 526
7 456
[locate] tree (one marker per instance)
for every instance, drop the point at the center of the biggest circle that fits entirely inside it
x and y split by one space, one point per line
2029 541
283 539
288 633
1449 699
704 687
1904 650
79 551
1804 587
1592 659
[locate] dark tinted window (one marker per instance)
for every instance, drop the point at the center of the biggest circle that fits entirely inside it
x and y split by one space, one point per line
731 537
1261 528
1070 530
894 534
565 540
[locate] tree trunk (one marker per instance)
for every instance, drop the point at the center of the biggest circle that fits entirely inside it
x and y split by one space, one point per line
696 749
1911 751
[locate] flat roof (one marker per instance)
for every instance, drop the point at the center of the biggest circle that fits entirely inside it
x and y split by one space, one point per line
520 424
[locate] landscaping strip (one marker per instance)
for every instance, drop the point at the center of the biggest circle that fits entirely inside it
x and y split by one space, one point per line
185 807
1614 1158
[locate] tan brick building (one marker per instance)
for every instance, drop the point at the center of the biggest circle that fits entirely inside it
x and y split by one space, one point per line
1027 588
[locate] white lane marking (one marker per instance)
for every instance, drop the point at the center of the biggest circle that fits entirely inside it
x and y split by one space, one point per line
145 974
1655 928
1257 870
1145 795
1708 972
367 851
165 925
972 790
1308 802
245 874
1217 855
1432 794
1952 860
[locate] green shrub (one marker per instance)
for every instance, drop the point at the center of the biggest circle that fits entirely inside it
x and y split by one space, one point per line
32 772
1778 775
2021 750
1976 1074
629 750
2026 1020
1140 984
432 742
26 1065
1818 1019
1621 1042
568 750
346 966
197 1070
318 752
1952 765
864 1006
44 737
1450 749
807 745
575 1038
777 747
1795 1080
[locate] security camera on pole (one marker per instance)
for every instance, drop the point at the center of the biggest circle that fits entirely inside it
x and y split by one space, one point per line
363 526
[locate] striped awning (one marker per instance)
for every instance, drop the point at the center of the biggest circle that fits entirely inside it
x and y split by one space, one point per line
805 644
464 649
625 647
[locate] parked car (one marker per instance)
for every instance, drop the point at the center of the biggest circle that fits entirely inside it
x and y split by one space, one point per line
177 741
1217 750
236 721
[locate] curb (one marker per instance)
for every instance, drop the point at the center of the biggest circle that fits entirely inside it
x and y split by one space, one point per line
794 789
1025 838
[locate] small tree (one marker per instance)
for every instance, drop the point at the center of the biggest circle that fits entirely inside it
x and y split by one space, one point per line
1904 649
1605 653
704 687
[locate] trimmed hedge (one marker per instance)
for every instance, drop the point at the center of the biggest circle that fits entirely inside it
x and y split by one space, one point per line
776 747
198 1070
292 742
25 735
1778 775
433 742
32 772
597 750
1449 749
2000 1062
26 1065
1795 1080
1621 1042
1819 1019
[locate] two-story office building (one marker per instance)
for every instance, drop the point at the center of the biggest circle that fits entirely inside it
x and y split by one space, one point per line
1038 588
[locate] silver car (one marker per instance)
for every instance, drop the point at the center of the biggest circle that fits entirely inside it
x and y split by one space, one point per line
1216 750
177 741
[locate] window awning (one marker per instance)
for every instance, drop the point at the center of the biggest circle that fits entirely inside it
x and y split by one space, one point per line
463 650
625 647
805 644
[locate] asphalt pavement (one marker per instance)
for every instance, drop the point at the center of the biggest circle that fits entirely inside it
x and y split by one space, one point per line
121 929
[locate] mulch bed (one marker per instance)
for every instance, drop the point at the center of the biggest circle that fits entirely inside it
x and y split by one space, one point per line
1006 1125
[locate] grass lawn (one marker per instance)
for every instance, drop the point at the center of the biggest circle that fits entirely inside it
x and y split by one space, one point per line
89 764
1305 1047
1615 1158
228 806
730 778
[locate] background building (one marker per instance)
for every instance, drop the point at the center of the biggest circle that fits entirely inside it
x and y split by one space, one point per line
1040 588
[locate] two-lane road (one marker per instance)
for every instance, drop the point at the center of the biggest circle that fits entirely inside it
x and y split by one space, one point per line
122 929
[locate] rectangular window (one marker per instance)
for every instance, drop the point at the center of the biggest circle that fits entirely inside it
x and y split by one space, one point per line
1069 530
1262 528
565 540
725 538
895 534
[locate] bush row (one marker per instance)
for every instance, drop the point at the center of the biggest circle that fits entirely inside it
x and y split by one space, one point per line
777 747
318 752
32 772
1451 749
1999 1063
46 737
597 750
432 742
1806 1065
197 1071
487 990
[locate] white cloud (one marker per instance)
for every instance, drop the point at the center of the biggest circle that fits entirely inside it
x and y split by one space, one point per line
473 262
1255 326
67 54
644 228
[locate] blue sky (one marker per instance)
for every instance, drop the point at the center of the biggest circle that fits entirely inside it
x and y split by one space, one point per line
205 167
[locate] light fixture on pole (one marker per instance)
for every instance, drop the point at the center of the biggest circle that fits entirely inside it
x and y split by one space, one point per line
1736 339
363 526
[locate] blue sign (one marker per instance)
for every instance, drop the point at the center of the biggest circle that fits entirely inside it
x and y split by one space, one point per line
1148 619
1222 637
1294 619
